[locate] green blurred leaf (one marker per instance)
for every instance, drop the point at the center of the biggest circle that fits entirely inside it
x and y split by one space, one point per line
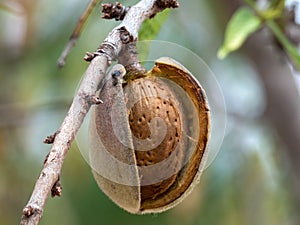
242 24
290 49
149 30
151 27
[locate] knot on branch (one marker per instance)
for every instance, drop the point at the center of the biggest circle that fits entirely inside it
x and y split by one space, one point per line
56 189
163 4
29 210
114 11
95 100
125 36
160 5
50 139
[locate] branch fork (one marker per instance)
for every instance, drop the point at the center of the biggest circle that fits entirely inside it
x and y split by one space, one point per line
124 34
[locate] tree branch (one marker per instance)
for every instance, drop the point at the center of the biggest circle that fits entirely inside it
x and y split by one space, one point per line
109 50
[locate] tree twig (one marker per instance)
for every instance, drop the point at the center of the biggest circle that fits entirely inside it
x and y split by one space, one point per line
75 35
84 98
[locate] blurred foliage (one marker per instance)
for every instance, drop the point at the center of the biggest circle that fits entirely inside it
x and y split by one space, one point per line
151 27
248 183
242 24
245 22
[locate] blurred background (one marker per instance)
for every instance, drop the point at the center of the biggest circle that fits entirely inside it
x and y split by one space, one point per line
255 178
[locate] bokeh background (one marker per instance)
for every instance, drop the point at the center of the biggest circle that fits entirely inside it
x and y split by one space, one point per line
255 179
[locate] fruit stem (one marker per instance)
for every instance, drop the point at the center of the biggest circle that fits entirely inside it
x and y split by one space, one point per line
128 57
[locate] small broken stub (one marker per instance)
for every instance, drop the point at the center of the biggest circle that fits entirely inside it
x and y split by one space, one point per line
125 36
29 210
50 139
96 100
89 56
56 189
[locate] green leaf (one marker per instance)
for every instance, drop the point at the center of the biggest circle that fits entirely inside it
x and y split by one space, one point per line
149 30
242 24
151 27
290 49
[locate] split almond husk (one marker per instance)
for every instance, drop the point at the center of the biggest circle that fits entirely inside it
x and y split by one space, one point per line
148 139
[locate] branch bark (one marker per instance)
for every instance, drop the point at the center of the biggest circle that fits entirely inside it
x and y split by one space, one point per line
84 98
